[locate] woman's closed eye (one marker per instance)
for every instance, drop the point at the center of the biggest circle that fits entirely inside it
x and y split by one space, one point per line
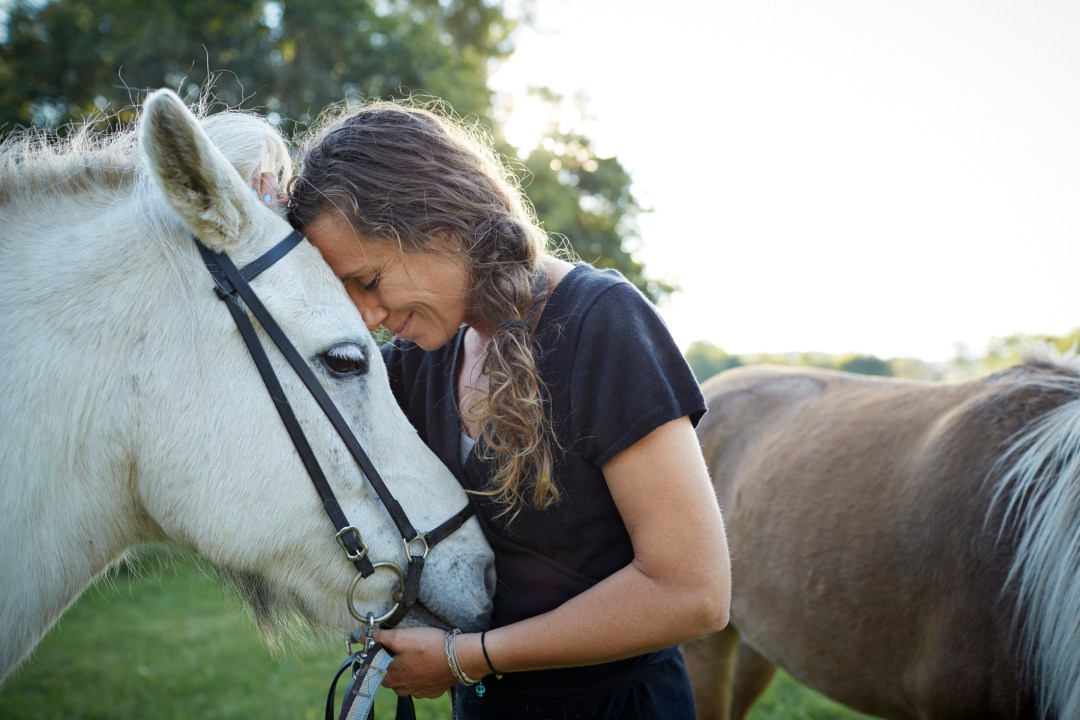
368 286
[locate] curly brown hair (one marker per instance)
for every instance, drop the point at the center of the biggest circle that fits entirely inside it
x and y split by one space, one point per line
414 174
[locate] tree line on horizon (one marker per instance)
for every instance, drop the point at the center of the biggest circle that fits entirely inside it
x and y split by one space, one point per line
707 359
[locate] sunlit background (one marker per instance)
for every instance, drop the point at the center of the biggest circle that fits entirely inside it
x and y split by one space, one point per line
876 181
891 178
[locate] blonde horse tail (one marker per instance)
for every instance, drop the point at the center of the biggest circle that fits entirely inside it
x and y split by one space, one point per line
1040 494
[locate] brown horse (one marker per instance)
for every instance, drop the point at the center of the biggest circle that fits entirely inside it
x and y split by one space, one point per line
911 550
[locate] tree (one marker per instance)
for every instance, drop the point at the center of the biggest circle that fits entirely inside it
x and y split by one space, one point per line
1012 349
63 60
914 369
587 199
584 197
66 59
395 48
864 364
706 360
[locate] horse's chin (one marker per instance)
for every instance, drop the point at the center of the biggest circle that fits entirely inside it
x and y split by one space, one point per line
422 616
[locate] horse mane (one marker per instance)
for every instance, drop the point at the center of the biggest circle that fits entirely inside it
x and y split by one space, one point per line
1039 493
1047 357
36 163
93 167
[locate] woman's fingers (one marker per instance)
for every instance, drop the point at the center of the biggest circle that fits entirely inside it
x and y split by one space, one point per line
419 667
264 186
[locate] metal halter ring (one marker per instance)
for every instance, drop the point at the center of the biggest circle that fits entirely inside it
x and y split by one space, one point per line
420 538
364 617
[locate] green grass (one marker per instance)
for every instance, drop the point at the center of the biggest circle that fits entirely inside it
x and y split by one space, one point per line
170 644
167 643
788 700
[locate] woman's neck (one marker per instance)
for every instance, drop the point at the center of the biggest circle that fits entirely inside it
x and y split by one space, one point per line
472 383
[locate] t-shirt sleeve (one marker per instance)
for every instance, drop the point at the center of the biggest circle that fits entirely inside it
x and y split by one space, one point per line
629 377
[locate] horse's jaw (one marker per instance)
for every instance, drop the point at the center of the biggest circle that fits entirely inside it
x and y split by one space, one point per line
278 609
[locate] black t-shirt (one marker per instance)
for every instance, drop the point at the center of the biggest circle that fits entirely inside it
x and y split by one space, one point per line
613 375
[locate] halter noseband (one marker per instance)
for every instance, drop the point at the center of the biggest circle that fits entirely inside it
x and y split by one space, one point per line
232 286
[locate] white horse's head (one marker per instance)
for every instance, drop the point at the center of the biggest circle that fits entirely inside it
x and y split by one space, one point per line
134 412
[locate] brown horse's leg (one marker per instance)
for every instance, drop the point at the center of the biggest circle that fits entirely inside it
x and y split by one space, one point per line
711 664
753 673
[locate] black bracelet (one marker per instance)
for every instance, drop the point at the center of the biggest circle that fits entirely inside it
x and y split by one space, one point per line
483 646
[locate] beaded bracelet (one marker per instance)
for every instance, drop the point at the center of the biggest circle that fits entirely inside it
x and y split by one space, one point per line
450 648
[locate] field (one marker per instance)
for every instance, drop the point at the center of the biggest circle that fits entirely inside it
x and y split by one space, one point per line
167 643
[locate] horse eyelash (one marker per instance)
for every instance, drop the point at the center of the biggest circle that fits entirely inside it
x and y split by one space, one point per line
346 352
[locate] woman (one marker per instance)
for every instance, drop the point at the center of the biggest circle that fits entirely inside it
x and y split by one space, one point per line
556 395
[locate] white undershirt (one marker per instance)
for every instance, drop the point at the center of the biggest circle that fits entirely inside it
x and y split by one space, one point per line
467 444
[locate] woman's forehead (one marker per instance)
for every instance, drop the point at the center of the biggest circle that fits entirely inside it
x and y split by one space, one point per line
348 250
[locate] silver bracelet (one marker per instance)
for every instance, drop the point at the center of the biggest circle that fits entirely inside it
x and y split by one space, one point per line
450 648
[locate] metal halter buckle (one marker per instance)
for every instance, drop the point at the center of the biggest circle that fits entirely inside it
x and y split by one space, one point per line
352 530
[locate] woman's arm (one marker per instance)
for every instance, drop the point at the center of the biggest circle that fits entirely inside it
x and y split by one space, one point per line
677 587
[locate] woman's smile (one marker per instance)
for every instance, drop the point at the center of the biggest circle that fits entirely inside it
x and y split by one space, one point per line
403 328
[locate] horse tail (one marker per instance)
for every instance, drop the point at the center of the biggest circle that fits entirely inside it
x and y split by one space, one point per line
1040 493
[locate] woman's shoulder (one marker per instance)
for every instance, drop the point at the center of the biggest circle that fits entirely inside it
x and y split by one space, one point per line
582 276
598 311
585 289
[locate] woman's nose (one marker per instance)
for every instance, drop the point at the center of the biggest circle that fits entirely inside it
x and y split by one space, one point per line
372 310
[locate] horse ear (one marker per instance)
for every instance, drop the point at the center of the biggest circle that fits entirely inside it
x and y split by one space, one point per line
199 183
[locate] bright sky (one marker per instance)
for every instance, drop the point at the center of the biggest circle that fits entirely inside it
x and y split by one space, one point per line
891 178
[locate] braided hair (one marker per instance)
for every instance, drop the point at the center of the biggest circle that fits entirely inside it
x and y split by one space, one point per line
413 175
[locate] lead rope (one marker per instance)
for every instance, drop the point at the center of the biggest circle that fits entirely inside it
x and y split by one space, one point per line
368 666
359 701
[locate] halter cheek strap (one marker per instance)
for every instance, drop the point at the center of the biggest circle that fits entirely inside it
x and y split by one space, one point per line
232 286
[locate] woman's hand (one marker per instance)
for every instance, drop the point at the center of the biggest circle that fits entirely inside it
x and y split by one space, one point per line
264 186
419 667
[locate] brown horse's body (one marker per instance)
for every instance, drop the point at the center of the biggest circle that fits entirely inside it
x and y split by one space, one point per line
865 546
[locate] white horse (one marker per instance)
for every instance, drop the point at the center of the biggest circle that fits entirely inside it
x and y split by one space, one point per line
131 411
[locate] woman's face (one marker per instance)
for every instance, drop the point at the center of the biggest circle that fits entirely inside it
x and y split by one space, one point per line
417 296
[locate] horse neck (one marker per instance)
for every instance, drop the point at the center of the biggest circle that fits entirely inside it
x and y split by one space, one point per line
69 472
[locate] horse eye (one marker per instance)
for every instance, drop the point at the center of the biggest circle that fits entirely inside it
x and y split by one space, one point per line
346 360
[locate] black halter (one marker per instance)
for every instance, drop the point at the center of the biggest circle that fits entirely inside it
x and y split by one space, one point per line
232 286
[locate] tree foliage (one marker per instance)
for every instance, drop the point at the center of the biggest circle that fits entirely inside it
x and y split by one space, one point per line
65 60
1011 349
706 360
68 58
588 200
864 365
